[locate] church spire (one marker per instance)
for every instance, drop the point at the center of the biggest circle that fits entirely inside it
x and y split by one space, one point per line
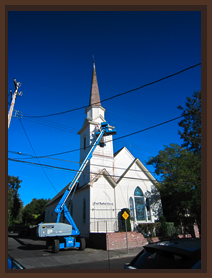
94 95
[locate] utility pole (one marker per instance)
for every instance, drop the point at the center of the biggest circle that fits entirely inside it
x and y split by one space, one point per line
17 85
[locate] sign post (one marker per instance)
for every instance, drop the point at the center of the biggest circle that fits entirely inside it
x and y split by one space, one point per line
125 215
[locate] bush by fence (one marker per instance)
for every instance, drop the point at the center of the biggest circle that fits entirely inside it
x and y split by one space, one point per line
149 228
159 229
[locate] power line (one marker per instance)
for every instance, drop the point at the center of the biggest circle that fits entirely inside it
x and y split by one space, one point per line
92 164
65 128
118 95
139 131
68 169
73 170
52 124
36 155
104 166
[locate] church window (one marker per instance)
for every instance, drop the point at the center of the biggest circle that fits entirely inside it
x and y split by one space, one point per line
140 207
84 210
131 209
148 208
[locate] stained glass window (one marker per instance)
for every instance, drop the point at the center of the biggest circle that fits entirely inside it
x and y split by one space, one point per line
131 209
148 208
138 192
140 206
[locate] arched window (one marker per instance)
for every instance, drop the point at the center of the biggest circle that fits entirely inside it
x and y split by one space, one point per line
140 207
148 208
132 216
84 210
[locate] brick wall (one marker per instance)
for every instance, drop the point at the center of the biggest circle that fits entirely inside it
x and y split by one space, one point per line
114 241
118 240
196 230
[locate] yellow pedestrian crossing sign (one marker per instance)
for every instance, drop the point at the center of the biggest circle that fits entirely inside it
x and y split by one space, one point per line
125 215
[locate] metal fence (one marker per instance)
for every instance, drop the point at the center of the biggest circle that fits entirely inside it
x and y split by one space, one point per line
103 226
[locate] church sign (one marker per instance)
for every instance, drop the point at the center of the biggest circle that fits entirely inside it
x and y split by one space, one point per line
103 203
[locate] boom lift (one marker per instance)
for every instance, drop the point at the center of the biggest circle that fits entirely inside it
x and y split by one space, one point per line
61 235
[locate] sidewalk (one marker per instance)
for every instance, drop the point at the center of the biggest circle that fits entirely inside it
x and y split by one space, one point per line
121 253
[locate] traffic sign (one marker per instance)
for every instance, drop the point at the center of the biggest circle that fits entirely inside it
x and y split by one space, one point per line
125 215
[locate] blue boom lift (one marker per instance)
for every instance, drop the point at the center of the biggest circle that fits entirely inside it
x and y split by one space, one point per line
61 235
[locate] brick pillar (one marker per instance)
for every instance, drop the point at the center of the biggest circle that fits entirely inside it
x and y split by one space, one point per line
196 230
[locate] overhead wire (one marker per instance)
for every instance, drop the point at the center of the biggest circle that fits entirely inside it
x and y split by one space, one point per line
35 154
91 164
103 101
124 136
67 169
114 97
66 129
46 156
63 128
74 170
75 162
118 95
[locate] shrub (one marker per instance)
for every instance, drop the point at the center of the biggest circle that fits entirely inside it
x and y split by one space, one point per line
159 229
148 229
163 226
178 230
170 228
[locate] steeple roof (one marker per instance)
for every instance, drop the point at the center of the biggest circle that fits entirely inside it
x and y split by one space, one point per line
94 95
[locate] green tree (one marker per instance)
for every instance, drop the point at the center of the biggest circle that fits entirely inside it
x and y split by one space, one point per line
180 179
191 123
34 212
15 204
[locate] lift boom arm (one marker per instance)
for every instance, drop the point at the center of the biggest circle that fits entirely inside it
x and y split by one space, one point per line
105 130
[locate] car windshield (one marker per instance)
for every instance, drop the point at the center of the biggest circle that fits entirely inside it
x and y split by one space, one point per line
160 259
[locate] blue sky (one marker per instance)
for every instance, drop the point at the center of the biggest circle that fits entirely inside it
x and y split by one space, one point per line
50 53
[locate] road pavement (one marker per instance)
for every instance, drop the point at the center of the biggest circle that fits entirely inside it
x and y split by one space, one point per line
32 254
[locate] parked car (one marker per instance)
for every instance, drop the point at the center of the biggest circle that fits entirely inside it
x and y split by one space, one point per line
13 264
169 254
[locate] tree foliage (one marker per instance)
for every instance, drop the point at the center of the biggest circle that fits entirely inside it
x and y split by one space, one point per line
191 123
179 167
34 212
15 204
180 179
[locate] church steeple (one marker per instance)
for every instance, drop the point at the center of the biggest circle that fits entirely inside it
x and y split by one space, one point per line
95 116
94 94
95 110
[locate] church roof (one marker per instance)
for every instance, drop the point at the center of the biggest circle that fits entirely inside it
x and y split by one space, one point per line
112 180
115 154
94 95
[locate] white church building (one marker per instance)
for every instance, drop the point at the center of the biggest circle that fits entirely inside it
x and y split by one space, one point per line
109 183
